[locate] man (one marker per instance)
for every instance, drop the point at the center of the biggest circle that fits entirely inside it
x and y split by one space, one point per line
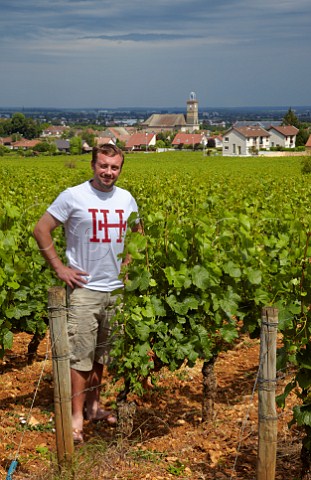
94 215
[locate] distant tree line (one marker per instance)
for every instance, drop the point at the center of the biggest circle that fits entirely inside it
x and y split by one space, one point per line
20 126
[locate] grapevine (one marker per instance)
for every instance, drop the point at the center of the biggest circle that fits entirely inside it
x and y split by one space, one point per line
223 237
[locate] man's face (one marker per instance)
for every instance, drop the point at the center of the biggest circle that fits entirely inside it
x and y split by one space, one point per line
106 172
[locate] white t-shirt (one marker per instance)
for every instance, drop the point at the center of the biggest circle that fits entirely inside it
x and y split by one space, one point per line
95 225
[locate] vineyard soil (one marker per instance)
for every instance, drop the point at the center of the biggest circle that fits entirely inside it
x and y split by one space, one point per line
168 439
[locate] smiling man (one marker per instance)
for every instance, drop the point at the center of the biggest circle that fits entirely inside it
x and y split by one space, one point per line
94 215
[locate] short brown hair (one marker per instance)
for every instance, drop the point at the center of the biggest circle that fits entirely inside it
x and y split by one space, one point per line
108 149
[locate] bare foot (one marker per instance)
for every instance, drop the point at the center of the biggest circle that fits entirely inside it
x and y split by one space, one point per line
77 436
103 415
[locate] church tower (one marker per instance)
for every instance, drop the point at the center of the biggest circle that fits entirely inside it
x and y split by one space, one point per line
192 118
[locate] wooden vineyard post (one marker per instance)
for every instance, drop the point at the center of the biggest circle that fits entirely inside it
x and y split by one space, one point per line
267 416
61 374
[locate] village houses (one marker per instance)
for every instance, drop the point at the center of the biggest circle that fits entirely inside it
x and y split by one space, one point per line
251 139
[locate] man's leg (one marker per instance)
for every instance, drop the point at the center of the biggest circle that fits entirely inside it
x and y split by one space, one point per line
93 409
79 384
93 394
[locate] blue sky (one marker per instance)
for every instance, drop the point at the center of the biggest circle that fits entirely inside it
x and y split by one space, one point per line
153 53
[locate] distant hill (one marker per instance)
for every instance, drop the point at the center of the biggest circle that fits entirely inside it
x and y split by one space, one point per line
103 115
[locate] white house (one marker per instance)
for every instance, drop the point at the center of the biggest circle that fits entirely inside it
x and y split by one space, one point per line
245 140
283 136
54 131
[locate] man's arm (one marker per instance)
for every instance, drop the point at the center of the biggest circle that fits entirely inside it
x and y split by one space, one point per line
43 234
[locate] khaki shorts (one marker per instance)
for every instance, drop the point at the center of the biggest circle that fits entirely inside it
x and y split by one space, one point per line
89 327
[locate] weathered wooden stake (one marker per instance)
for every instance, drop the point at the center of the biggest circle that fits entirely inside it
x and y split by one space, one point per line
267 416
61 374
209 389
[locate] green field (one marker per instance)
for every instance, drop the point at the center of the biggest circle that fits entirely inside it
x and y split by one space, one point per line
223 237
181 196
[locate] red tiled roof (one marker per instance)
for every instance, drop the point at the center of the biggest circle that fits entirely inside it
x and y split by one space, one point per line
286 130
118 132
5 140
25 143
308 144
187 139
124 138
251 131
138 139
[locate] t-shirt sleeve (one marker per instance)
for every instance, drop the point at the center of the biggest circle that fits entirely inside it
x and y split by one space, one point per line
61 207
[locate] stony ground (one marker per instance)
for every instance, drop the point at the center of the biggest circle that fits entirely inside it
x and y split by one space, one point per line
168 439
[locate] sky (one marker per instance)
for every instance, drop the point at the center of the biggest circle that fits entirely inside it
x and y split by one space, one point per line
153 53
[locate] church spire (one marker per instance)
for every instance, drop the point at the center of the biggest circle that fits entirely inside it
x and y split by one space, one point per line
192 117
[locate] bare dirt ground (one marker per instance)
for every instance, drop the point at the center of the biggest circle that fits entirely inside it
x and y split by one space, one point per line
168 438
